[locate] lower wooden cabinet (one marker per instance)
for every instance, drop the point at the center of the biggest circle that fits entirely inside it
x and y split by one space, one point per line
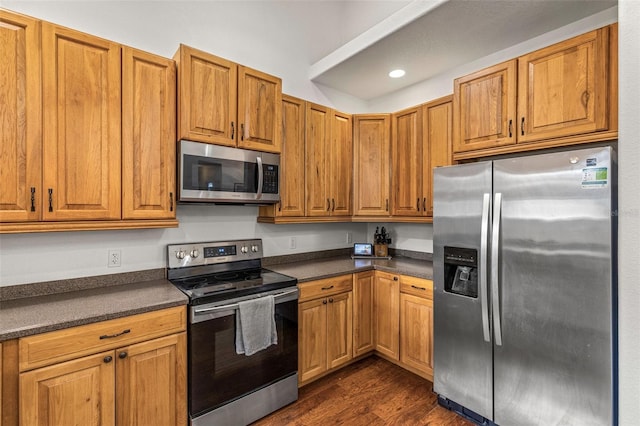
134 378
387 317
324 327
363 313
416 333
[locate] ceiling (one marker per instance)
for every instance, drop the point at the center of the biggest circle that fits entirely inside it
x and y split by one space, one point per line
426 38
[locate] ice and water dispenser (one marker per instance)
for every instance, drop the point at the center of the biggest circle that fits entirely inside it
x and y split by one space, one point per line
461 271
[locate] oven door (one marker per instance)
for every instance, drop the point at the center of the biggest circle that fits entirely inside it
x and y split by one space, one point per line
217 375
220 174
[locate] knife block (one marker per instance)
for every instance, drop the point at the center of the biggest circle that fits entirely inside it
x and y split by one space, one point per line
381 250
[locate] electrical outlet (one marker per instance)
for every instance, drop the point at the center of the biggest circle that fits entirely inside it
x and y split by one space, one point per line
115 259
349 238
292 242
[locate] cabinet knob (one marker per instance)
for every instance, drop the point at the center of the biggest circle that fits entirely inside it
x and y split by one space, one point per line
107 359
331 300
122 355
324 302
395 278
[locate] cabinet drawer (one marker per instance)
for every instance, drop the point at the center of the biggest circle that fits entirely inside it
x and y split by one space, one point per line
416 286
62 345
325 287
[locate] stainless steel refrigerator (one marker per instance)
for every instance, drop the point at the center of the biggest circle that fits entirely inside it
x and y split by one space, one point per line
525 288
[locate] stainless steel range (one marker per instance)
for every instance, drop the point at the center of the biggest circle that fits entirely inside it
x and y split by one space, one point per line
227 388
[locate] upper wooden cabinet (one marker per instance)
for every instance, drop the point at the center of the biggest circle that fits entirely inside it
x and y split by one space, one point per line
563 89
437 129
371 151
340 167
485 106
565 94
221 102
82 116
148 135
407 162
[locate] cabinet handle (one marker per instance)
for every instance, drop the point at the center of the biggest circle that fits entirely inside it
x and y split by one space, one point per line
327 288
510 128
418 288
330 300
324 302
418 204
33 199
233 130
585 98
171 201
107 359
395 278
386 205
328 205
424 204
111 336
122 355
279 206
50 199
522 126
333 204
242 131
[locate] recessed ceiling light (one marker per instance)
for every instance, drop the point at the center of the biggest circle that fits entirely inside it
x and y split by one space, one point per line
396 73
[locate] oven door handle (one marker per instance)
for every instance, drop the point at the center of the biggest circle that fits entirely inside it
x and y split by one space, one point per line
230 309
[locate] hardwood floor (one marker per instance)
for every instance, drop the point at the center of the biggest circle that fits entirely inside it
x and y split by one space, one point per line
369 392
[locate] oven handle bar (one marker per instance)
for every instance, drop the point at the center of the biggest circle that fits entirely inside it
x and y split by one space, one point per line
216 311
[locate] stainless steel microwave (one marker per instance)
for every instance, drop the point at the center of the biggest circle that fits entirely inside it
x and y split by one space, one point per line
219 174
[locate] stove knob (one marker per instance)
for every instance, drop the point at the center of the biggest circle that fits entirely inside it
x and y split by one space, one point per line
254 248
244 249
180 254
195 253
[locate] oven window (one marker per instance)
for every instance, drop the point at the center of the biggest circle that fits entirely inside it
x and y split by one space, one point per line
209 174
218 375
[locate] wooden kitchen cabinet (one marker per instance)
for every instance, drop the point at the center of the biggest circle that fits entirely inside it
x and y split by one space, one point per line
340 167
21 125
130 370
363 313
484 105
148 135
82 116
371 159
416 325
292 164
387 314
325 333
565 94
437 129
223 103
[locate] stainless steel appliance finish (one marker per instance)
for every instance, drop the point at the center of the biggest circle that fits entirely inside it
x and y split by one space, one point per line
226 387
218 174
537 344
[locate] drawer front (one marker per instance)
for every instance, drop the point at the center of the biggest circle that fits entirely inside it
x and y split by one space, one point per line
62 345
325 287
416 286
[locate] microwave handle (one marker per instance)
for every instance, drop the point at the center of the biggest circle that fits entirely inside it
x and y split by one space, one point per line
260 178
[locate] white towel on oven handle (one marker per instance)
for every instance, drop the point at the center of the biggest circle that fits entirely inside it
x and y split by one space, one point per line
256 325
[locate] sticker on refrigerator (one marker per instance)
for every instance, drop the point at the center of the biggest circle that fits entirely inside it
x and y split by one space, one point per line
595 177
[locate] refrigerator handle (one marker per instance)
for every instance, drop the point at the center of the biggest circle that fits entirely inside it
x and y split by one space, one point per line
495 289
484 242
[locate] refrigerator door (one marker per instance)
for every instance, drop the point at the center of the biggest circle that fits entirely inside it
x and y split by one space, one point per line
462 342
555 289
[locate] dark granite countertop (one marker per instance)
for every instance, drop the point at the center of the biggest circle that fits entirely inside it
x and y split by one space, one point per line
38 314
308 270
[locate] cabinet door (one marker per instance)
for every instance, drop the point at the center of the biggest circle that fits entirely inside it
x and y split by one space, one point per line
81 104
363 336
21 124
339 329
316 159
371 145
259 110
151 383
437 130
207 97
562 89
148 135
292 158
387 314
340 163
484 108
416 332
406 157
78 392
312 339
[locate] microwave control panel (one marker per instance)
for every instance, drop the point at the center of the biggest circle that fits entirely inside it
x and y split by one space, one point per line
270 179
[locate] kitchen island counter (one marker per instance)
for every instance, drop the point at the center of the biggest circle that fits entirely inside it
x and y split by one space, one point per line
309 270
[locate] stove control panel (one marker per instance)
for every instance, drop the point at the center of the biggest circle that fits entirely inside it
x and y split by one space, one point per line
198 254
